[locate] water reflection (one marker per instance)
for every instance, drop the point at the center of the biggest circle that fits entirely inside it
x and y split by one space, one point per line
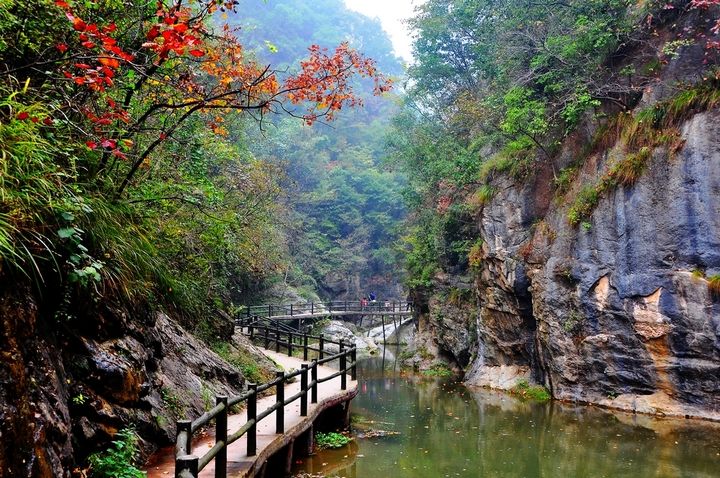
448 430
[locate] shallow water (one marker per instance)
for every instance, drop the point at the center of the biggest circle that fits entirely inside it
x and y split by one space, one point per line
449 430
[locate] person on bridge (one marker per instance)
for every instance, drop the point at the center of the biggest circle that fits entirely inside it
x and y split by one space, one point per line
372 296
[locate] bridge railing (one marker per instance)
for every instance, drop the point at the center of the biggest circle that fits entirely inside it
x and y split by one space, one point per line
188 465
319 308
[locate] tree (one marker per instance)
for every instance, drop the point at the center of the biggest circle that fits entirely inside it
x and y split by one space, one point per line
138 177
132 83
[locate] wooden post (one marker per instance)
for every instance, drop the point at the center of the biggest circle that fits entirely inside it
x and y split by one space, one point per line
382 317
267 337
280 398
305 347
290 344
309 441
321 346
221 436
252 415
189 463
312 308
252 331
346 417
277 336
184 426
353 369
304 389
289 457
346 306
313 379
343 362
269 311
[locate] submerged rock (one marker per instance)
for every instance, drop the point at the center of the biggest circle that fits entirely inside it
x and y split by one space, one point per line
337 330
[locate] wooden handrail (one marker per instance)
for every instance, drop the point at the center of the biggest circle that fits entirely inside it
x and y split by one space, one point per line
188 465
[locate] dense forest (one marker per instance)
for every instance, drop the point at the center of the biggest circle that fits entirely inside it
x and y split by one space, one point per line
343 203
114 185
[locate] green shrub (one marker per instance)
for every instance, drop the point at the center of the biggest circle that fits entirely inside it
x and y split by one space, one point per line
118 461
714 285
242 361
584 205
332 440
480 197
476 254
438 370
425 354
172 402
629 170
524 390
406 354
573 321
565 178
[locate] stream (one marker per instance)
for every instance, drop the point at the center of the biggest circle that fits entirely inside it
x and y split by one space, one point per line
448 430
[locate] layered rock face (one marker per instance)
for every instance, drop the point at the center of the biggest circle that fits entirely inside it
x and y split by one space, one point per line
69 385
618 311
621 317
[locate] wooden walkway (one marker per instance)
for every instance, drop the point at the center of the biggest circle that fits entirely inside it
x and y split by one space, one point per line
318 310
329 394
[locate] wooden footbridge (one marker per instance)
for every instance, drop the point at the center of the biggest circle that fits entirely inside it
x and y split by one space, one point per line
318 310
295 318
242 444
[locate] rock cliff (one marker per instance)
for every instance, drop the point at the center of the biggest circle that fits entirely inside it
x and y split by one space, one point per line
619 308
69 384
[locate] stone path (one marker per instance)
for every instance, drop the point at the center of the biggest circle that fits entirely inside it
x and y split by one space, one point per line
162 464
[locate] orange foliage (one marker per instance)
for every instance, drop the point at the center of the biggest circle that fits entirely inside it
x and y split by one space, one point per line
190 69
324 81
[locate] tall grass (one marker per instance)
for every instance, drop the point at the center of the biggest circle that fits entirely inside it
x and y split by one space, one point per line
42 193
34 190
641 133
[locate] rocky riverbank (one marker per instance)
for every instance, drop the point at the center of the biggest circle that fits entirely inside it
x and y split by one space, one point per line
619 308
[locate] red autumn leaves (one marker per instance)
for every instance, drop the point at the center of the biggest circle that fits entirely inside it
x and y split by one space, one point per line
704 5
175 33
25 116
324 81
101 56
231 81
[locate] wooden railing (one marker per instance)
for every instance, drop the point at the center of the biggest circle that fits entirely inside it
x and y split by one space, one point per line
188 465
320 308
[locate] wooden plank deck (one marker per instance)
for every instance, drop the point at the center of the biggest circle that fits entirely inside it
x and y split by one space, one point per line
162 464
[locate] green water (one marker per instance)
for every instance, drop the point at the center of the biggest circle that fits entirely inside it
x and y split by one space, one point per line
448 430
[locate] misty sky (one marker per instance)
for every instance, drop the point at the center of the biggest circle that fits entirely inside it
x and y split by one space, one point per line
391 14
